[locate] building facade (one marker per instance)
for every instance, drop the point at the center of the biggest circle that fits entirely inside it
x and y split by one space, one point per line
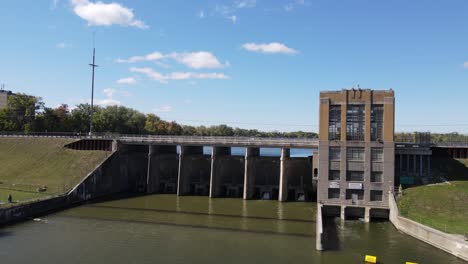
356 149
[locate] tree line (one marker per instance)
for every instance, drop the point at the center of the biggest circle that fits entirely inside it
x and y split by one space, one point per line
29 114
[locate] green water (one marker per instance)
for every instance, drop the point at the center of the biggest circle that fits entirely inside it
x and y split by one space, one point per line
168 229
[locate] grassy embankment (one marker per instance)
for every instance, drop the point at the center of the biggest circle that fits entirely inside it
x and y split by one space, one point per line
443 206
27 164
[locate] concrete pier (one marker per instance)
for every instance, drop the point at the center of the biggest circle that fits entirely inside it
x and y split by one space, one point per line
283 186
216 176
367 214
249 172
162 169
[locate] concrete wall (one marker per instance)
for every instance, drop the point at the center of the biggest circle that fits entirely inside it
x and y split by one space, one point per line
230 176
453 244
319 228
112 176
299 174
163 167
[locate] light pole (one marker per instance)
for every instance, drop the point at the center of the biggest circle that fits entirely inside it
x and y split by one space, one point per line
93 65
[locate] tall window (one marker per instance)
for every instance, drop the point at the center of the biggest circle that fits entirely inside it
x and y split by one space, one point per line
355 154
354 176
334 127
376 176
335 154
358 193
376 122
355 122
333 193
377 154
376 195
334 175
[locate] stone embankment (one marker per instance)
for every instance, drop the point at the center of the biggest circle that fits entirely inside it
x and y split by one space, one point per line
453 244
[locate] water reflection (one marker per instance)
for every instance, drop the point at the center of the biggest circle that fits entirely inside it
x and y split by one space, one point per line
170 229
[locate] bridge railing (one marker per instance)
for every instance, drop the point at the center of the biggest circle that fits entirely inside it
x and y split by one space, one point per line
167 138
199 140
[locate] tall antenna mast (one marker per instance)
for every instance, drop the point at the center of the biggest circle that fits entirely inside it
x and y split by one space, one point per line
93 65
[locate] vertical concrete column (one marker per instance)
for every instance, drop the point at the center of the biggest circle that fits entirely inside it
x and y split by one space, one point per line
367 214
318 228
407 164
283 188
180 178
249 172
421 166
343 212
151 178
401 163
215 178
414 165
115 145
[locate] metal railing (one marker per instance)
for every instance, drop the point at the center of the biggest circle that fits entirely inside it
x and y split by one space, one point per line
196 140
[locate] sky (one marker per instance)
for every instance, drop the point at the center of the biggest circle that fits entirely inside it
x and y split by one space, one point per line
246 63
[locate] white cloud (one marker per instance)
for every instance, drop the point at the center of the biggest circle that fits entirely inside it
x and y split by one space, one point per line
233 18
164 78
55 4
273 47
201 14
107 102
197 60
106 14
128 80
229 11
109 92
163 109
291 6
63 45
465 64
194 60
150 73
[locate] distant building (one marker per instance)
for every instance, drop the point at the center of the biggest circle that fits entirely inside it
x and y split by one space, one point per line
356 150
4 98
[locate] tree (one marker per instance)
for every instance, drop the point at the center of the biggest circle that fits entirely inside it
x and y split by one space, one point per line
21 112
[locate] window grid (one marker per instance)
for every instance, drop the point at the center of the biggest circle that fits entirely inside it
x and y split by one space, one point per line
376 195
377 176
333 193
334 126
350 192
355 154
377 154
376 122
334 175
355 176
355 122
335 154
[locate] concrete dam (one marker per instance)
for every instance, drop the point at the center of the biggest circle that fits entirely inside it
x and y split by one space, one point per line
145 165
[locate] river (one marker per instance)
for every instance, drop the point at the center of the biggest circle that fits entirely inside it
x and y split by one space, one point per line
171 229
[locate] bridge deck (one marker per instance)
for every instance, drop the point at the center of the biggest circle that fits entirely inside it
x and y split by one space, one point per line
222 141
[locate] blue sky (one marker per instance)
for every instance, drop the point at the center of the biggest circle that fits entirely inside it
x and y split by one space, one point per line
252 64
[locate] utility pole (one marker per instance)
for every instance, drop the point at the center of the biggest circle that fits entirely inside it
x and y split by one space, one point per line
93 65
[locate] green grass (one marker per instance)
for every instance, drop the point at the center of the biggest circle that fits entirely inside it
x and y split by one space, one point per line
29 163
441 206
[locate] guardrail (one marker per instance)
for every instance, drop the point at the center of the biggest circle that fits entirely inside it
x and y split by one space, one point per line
194 140
207 140
221 141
